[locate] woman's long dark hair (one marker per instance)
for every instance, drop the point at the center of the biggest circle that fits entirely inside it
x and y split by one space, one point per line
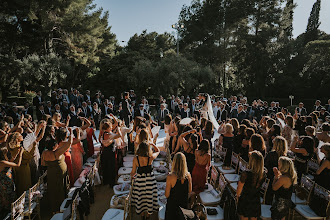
208 128
204 146
194 141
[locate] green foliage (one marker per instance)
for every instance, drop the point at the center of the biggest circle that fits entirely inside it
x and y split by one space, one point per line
46 71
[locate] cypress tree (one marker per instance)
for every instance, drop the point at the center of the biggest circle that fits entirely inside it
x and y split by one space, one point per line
313 23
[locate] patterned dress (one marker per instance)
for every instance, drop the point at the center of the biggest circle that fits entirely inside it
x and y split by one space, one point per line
144 194
7 191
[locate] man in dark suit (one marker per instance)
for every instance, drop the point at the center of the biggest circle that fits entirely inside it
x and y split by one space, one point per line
327 106
74 98
48 108
27 109
57 109
126 112
40 112
185 111
301 109
73 116
178 109
140 111
87 96
65 109
317 106
241 114
222 113
162 112
85 111
38 100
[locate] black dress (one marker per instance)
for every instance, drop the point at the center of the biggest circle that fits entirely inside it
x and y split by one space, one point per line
282 203
178 198
108 164
228 143
300 162
190 158
249 202
323 178
271 161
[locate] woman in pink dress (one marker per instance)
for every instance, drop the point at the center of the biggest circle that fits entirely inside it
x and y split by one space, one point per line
202 165
90 136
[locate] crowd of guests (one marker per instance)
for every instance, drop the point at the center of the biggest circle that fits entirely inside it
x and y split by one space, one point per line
57 135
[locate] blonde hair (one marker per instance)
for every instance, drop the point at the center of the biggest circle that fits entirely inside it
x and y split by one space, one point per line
256 164
229 128
280 146
310 129
287 167
179 166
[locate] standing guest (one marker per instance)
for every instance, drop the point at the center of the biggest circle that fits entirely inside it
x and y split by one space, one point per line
222 113
310 131
53 158
60 137
280 148
48 108
241 114
287 132
144 194
38 100
96 113
108 158
141 111
202 165
323 173
257 143
77 152
317 106
301 110
207 133
126 112
85 111
303 147
73 116
273 132
226 140
87 96
90 136
248 189
246 143
40 112
285 177
162 112
7 185
324 134
185 111
65 109
238 139
189 147
178 188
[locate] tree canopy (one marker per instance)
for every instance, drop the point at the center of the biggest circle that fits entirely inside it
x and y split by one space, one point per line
228 47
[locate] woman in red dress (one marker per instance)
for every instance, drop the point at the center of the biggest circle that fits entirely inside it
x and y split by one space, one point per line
90 136
202 165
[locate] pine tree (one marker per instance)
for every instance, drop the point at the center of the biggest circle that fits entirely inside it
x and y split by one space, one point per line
313 23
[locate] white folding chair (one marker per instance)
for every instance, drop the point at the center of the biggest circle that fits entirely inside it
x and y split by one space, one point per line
17 208
312 167
243 166
306 186
265 209
233 167
72 212
118 214
212 197
306 212
32 208
213 179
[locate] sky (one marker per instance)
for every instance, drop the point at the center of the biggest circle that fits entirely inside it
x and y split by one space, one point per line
128 17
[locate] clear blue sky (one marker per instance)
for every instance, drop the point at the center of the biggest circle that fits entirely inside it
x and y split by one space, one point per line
128 17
